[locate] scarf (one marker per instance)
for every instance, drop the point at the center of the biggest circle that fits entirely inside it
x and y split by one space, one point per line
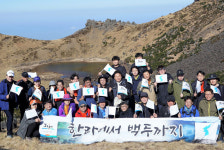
187 110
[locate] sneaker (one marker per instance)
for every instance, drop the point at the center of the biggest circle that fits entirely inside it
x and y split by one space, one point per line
28 138
9 136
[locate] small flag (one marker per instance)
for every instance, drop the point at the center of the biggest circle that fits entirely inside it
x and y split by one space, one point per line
109 69
128 78
74 86
16 89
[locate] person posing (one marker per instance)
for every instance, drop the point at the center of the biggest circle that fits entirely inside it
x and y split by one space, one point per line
29 127
136 79
162 88
23 97
37 85
89 99
140 68
165 110
52 87
101 109
66 105
214 81
115 85
124 111
175 88
8 100
146 112
49 110
74 93
198 87
189 110
83 110
150 89
60 87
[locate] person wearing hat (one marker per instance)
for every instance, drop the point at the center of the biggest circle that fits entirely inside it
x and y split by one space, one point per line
214 81
189 110
198 87
165 110
29 127
161 89
66 105
103 83
23 101
8 100
146 112
52 87
124 111
175 88
49 110
83 110
37 85
101 109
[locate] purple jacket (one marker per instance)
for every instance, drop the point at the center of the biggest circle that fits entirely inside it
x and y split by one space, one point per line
61 110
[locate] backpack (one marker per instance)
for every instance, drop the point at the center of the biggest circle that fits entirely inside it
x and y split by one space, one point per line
184 112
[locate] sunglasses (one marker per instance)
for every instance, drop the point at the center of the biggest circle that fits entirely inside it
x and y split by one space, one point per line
82 106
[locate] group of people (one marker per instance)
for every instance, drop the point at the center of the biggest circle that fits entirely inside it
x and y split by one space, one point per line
200 100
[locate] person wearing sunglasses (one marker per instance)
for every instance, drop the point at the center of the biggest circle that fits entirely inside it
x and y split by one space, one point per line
83 110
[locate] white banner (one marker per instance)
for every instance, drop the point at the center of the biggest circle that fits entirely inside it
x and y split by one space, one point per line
32 74
145 83
150 104
31 113
122 90
186 86
74 86
140 62
215 90
88 91
16 89
174 110
220 105
102 92
38 94
58 94
161 78
109 69
128 78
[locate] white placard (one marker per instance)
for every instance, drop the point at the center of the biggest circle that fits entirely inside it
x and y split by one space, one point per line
198 86
205 131
145 83
88 91
140 62
52 90
117 101
109 69
74 86
174 110
161 78
128 78
102 92
186 86
122 90
112 110
220 105
38 94
58 94
138 107
215 90
31 113
16 89
93 108
32 74
150 104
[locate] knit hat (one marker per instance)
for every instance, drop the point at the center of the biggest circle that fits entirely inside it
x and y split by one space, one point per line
180 73
36 79
52 82
25 75
143 94
82 102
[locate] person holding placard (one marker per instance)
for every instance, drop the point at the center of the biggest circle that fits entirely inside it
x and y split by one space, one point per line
29 127
60 87
83 111
49 110
198 87
146 112
150 87
116 65
115 85
74 93
161 89
90 99
140 68
136 79
66 105
124 111
103 83
189 110
219 92
23 97
37 85
52 87
8 100
165 110
175 88
101 109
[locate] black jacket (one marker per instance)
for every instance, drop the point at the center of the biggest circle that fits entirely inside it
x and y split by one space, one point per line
145 113
23 97
125 114
165 112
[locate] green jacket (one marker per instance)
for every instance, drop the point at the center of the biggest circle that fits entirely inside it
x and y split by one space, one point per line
208 108
176 89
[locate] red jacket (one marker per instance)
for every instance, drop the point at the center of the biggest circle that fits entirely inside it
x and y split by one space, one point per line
85 115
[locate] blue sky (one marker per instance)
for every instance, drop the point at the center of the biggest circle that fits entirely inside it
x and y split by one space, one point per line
55 19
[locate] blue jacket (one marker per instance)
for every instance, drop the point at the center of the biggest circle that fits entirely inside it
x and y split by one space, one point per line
4 103
89 99
193 113
99 113
52 112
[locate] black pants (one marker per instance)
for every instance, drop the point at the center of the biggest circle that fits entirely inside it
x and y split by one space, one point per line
9 115
33 130
57 104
